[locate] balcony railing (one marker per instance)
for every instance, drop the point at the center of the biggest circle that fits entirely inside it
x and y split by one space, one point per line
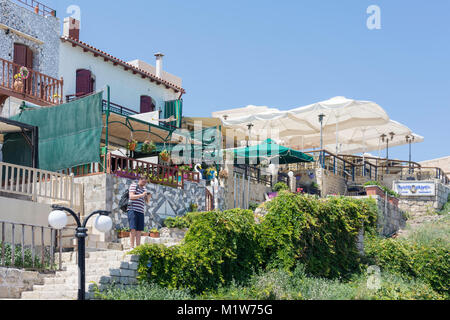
38 88
38 7
40 185
34 247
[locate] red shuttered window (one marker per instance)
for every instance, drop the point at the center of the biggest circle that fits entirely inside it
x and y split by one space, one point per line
147 104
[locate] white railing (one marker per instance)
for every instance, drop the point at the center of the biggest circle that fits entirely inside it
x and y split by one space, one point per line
41 186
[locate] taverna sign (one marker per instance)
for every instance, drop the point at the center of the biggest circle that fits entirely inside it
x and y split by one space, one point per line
418 189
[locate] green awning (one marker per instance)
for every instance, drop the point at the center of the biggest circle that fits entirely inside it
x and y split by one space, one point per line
69 134
271 151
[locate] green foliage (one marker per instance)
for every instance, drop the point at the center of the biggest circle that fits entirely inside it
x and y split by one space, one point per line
446 208
177 222
280 186
143 291
219 247
428 262
27 263
222 247
319 233
253 206
278 284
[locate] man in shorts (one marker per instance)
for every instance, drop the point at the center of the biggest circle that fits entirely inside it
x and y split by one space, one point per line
138 196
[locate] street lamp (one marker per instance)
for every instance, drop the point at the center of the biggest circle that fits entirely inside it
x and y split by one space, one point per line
385 138
321 117
249 126
410 140
58 220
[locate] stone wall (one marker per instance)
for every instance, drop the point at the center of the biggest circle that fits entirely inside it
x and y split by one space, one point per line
45 29
14 281
390 217
330 183
426 205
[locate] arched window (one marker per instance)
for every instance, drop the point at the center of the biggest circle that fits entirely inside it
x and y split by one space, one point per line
147 104
85 82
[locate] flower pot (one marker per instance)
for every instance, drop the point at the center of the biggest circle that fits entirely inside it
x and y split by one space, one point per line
145 234
154 234
18 85
123 234
394 201
374 191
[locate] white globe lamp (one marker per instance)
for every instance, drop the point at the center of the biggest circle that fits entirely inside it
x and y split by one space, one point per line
291 174
57 219
103 223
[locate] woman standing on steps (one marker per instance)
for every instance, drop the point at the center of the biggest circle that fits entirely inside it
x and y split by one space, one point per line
138 196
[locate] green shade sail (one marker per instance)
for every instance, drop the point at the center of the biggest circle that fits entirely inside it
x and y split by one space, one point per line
271 151
69 134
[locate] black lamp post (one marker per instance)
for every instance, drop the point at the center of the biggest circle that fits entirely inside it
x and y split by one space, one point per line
249 126
321 117
410 140
81 234
386 138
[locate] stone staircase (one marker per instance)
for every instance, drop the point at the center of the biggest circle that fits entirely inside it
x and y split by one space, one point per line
102 267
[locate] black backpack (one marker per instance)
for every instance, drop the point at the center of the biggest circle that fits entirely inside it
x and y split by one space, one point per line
123 203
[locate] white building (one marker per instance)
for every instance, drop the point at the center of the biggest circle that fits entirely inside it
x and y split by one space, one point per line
135 85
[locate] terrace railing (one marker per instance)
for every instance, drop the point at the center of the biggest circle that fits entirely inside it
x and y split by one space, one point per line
350 167
30 247
158 174
255 174
38 87
41 185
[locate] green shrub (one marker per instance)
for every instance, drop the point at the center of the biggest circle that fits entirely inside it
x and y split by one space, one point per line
429 262
319 233
177 222
446 208
219 247
280 186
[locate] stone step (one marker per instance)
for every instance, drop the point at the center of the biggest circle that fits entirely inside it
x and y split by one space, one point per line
50 295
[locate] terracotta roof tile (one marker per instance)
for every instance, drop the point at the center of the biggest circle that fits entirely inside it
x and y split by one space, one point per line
123 63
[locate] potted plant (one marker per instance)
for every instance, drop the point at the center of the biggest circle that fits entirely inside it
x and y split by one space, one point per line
154 233
393 197
193 207
148 147
123 233
373 188
19 79
146 232
131 145
210 173
165 156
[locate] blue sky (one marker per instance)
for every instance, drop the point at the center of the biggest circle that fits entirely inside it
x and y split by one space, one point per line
287 54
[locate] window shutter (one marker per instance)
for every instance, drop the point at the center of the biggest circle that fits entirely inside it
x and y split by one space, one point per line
147 104
20 54
29 62
84 83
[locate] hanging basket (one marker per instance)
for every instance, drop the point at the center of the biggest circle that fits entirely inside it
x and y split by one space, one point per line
165 156
132 144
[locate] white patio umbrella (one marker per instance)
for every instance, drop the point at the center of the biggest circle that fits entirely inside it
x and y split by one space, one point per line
242 112
340 113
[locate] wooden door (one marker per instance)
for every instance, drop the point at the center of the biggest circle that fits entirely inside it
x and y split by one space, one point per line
84 82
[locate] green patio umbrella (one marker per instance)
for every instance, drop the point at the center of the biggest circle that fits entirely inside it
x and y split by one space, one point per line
271 151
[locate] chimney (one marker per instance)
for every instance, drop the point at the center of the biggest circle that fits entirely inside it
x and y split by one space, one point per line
159 64
71 28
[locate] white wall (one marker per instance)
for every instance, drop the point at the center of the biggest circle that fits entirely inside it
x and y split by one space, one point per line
126 87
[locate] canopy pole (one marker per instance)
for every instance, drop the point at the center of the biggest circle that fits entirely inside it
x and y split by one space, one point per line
337 135
108 90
